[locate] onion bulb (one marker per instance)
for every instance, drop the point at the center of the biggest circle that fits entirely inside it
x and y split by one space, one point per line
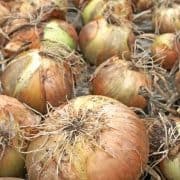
36 78
13 116
100 41
95 138
170 166
141 5
165 50
55 32
117 79
120 9
166 19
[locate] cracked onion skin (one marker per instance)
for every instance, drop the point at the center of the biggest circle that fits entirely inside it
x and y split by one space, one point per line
165 49
100 41
97 9
54 31
166 19
35 79
123 140
118 79
14 115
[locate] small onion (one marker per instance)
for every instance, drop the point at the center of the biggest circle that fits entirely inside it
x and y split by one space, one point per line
100 41
56 31
97 138
141 5
13 115
166 19
170 166
177 82
36 79
165 50
97 9
117 79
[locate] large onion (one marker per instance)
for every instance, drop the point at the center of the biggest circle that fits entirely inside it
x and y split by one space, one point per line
91 137
118 79
119 9
36 79
165 49
166 19
100 41
56 32
13 115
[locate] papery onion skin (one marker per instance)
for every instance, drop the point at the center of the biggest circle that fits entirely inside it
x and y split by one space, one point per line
165 50
80 3
124 141
36 79
13 115
54 31
100 41
166 19
115 78
96 9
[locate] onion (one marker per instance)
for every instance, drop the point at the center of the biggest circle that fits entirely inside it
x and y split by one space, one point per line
170 166
166 19
91 137
100 41
141 5
102 8
165 50
177 81
36 79
54 31
117 79
13 116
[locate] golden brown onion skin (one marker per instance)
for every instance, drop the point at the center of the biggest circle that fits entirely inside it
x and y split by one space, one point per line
123 141
116 78
165 50
166 19
100 41
36 79
120 9
14 115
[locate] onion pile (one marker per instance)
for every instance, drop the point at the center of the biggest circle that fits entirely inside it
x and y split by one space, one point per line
119 9
165 49
36 78
166 19
100 41
120 80
91 137
13 116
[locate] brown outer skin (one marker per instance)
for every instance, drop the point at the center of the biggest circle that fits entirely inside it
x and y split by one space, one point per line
110 40
52 82
141 5
12 162
177 82
167 19
115 79
127 140
165 48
